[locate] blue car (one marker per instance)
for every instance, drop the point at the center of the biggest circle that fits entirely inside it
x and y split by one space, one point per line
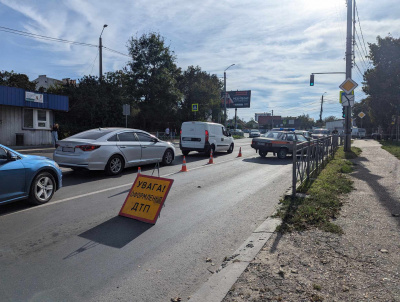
31 177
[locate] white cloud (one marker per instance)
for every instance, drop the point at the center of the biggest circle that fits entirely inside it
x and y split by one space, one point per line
275 45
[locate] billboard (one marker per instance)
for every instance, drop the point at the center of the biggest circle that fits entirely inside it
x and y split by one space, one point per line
236 99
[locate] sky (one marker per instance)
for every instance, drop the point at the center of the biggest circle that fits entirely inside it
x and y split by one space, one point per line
275 45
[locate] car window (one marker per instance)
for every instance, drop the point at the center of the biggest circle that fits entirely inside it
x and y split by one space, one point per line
127 137
143 137
113 138
92 134
3 154
290 137
273 134
301 138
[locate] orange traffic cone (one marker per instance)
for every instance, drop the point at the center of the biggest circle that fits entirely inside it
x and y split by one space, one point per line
184 169
240 152
139 171
211 160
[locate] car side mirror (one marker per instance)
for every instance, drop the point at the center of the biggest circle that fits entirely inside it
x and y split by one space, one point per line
155 140
10 157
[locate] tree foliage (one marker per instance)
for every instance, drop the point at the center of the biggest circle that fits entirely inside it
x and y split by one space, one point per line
92 103
199 87
152 77
382 82
18 80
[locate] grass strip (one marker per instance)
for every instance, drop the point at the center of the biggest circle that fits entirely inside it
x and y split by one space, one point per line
392 147
322 202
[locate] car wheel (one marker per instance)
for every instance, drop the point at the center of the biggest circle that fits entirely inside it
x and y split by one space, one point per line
282 153
42 188
263 153
230 150
168 157
114 165
185 152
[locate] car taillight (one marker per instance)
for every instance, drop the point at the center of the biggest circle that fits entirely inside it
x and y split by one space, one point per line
88 147
206 135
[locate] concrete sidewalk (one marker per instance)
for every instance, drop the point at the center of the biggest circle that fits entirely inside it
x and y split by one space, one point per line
363 264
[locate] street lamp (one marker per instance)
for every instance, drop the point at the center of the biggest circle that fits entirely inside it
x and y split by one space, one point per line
320 114
100 55
225 90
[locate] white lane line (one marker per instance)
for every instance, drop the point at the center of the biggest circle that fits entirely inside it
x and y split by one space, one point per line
113 188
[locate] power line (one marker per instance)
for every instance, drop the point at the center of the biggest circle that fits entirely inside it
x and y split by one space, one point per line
41 37
31 35
359 25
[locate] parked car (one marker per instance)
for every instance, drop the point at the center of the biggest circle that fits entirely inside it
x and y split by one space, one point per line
320 133
278 142
31 177
236 132
112 150
254 133
305 133
204 137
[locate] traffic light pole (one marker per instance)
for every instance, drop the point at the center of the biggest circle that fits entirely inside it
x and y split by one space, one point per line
347 125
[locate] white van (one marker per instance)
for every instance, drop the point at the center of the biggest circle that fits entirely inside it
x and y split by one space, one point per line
203 136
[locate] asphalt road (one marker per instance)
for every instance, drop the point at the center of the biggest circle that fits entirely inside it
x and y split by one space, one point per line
77 248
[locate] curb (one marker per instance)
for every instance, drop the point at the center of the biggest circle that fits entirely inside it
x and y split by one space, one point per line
219 284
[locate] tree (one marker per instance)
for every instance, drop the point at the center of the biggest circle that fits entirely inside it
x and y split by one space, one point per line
382 83
18 80
305 122
199 87
365 122
152 81
330 119
92 104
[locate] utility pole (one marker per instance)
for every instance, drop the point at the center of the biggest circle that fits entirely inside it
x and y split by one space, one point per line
320 113
101 54
347 126
272 119
225 93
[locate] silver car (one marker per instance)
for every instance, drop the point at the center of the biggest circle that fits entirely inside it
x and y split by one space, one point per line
112 150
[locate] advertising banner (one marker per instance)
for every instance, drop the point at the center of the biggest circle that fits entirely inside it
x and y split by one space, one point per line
236 99
33 97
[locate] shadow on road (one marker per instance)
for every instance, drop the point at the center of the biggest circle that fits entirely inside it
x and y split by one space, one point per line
269 160
116 232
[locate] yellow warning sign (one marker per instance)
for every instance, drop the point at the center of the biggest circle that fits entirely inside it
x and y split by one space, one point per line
146 198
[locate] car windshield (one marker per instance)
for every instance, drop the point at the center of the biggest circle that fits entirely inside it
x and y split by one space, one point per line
321 131
91 134
254 131
274 134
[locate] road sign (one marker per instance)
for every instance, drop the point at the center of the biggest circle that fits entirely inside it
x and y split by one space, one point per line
126 109
348 85
341 94
347 100
361 114
195 107
146 198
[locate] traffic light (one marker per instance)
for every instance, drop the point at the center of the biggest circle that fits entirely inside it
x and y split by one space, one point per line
344 112
311 80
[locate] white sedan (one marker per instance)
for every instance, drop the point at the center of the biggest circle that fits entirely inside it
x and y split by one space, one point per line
112 150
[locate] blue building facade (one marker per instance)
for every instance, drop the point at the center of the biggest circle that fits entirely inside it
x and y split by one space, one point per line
26 117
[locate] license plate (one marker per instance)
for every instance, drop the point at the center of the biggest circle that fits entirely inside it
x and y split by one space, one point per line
67 149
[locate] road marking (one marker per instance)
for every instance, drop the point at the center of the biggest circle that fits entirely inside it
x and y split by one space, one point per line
113 188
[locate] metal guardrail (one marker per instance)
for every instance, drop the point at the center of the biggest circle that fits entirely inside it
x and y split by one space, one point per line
309 157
